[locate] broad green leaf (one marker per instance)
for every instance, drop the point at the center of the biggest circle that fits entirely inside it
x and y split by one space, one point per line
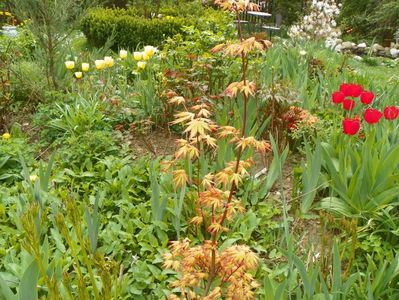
28 286
5 291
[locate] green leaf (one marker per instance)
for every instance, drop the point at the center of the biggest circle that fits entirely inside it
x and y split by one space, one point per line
28 285
93 223
310 176
5 291
268 288
337 205
275 168
158 203
336 283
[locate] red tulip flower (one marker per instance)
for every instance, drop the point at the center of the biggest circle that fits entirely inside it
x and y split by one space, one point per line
372 116
366 97
338 97
391 112
345 89
355 90
351 126
348 104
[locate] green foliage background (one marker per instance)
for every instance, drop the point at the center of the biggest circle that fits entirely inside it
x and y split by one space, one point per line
370 19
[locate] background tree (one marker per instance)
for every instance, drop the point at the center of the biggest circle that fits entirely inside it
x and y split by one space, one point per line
290 10
51 22
386 19
370 19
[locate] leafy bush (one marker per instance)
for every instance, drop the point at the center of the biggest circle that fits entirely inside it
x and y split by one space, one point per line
370 18
10 149
289 9
129 29
80 117
21 81
28 83
84 150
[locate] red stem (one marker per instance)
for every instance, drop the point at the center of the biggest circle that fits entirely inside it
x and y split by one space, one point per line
212 272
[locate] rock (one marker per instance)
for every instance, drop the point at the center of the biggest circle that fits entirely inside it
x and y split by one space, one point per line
338 48
357 57
347 45
338 41
394 52
362 46
377 47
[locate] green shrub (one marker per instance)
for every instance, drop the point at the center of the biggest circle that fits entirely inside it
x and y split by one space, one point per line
10 151
370 19
127 29
289 9
81 152
27 83
79 117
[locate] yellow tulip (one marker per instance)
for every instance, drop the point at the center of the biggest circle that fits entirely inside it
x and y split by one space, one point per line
70 64
85 67
138 56
141 65
100 64
146 56
123 54
109 61
6 136
33 178
150 50
78 75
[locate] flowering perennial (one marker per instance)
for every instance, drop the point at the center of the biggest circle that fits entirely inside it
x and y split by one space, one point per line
347 95
140 59
319 24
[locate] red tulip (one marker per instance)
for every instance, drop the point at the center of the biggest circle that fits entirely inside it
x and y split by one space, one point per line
348 104
391 112
344 88
355 90
338 97
366 97
372 116
350 89
351 126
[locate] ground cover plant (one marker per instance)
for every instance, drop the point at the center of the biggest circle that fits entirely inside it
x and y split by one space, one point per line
163 150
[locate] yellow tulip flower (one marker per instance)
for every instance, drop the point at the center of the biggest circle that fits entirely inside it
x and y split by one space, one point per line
78 75
138 56
70 64
123 54
6 136
146 56
33 178
141 65
109 61
100 64
85 67
150 50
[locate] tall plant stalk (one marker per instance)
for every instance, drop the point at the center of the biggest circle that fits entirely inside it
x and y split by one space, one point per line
216 202
239 154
